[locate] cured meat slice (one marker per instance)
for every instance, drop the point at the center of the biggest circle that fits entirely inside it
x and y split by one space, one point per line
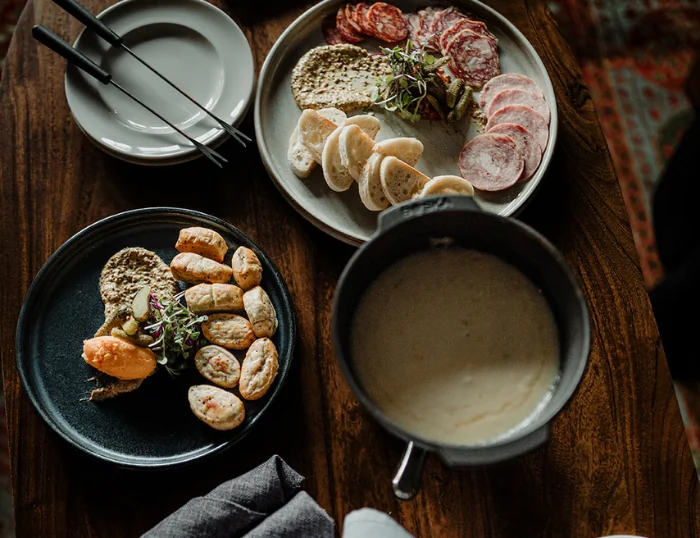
350 15
427 14
508 81
525 117
534 100
426 19
431 30
477 27
445 19
387 22
491 162
414 24
346 31
330 31
361 11
474 58
526 143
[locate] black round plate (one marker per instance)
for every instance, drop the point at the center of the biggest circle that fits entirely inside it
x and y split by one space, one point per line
152 427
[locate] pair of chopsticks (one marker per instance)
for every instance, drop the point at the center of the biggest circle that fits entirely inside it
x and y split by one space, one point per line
49 39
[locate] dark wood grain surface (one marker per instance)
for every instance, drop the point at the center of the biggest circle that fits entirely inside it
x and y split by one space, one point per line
618 460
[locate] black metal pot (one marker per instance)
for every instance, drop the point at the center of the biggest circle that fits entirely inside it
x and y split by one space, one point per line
422 224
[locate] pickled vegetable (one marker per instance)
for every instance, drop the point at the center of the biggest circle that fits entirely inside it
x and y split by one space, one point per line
436 105
436 87
140 339
141 304
454 92
130 326
437 64
462 106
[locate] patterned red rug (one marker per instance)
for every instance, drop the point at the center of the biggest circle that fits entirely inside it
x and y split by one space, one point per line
635 56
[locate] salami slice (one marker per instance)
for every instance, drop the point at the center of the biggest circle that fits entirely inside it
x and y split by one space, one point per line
351 17
444 19
491 162
346 31
508 81
361 11
330 31
525 117
474 58
477 27
426 19
433 42
387 22
414 23
528 146
534 100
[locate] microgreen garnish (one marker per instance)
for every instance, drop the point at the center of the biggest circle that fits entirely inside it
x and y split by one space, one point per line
176 331
405 90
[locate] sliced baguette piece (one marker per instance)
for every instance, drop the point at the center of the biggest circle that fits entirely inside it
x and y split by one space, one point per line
314 129
400 181
447 185
407 150
336 115
337 175
370 184
355 149
369 124
300 158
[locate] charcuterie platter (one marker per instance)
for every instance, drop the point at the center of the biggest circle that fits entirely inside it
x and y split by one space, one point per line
361 106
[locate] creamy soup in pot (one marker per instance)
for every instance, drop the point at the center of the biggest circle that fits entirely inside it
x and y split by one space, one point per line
455 346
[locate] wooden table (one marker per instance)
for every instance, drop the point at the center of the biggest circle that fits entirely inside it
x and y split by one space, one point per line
618 460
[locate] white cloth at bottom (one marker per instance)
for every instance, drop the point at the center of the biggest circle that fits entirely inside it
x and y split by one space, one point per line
370 523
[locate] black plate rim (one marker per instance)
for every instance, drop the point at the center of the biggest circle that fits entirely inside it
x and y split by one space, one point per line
138 214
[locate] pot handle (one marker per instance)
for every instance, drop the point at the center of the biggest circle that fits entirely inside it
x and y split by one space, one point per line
494 454
406 481
421 206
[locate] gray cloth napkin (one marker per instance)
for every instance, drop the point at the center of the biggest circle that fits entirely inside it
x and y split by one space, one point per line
265 502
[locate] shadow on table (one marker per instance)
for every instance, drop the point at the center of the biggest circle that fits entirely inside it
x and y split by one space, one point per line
252 13
524 494
196 184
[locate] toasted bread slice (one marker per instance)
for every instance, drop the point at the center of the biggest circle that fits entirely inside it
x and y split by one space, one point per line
400 181
336 115
369 124
407 150
370 184
314 129
447 185
355 149
337 175
300 158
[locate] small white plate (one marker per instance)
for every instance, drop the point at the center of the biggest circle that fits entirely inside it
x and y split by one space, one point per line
195 45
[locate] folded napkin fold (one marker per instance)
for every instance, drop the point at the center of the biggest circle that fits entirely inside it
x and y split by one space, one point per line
265 502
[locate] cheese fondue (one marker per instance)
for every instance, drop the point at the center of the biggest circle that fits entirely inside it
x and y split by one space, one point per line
455 346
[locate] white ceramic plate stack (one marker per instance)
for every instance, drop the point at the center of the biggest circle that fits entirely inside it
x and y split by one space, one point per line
197 46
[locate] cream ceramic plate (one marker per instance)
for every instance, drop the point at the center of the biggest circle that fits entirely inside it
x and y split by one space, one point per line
195 45
342 214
